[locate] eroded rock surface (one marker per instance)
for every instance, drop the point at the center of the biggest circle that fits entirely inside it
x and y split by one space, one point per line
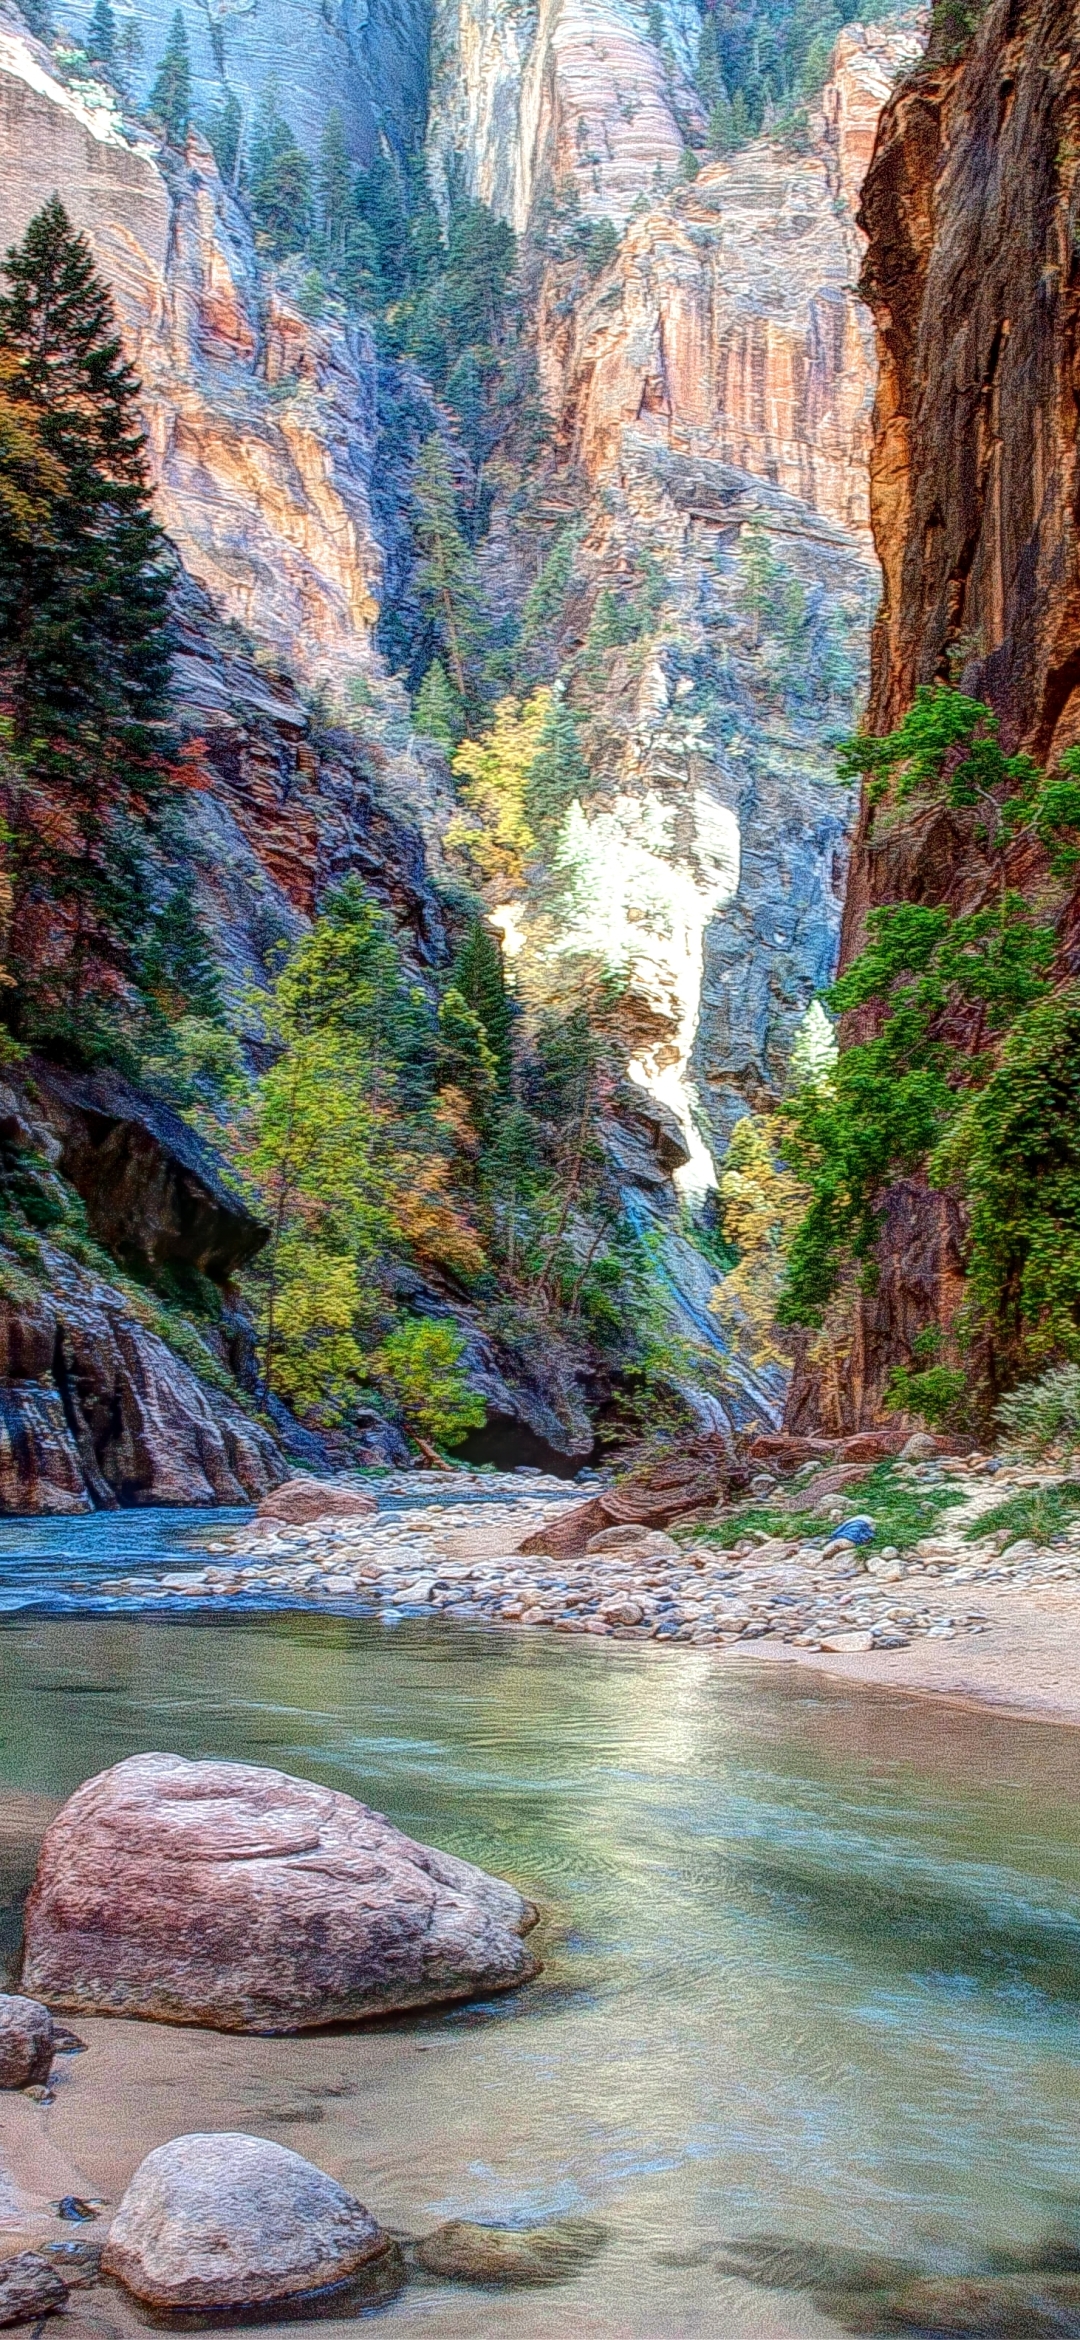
228 2222
970 272
29 2288
241 1898
26 2041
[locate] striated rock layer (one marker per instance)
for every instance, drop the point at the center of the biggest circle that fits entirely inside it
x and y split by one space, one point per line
970 206
714 389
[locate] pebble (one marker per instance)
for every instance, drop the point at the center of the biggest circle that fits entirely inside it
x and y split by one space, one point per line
822 1593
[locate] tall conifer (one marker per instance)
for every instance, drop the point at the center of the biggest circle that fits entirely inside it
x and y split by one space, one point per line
84 660
170 98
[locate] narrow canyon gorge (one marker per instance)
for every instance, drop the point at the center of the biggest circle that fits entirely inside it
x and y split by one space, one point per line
771 426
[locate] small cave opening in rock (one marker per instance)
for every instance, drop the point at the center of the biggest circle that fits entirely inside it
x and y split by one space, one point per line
508 1444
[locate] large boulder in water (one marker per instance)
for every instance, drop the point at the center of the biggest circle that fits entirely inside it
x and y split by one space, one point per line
239 1897
223 2224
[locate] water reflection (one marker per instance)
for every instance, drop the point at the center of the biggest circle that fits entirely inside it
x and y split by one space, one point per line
811 1954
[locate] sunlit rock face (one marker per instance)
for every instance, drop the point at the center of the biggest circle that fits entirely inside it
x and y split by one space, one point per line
261 425
529 93
369 58
715 388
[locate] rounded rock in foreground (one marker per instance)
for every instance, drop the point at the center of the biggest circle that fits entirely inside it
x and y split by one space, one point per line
299 1501
27 2042
225 2223
464 2253
235 1896
29 2288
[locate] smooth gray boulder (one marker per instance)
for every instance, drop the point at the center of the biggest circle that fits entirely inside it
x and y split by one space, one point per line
27 2042
231 1895
223 2222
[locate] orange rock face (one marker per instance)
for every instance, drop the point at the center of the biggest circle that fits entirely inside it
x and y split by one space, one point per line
255 421
969 205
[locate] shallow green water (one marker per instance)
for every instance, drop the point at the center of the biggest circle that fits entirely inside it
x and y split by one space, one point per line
812 1952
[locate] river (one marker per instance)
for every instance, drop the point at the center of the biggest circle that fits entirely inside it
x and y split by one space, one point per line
812 1952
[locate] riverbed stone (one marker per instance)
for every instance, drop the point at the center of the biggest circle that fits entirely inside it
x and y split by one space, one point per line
220 2223
973 2307
29 2288
298 1501
465 2253
27 2042
231 1895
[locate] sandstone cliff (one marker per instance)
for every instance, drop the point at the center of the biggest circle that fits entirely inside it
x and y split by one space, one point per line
970 206
713 391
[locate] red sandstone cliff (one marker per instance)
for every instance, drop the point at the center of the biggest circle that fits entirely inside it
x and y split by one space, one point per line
971 207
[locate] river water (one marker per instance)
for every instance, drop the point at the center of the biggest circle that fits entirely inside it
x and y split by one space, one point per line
812 1952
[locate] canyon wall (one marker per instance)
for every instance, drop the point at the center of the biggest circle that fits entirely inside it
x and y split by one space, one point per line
713 389
972 274
366 58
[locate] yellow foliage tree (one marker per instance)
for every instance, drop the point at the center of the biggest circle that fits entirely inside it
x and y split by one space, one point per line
493 832
762 1203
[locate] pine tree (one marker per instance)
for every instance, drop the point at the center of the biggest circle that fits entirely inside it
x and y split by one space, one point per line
380 204
279 183
477 977
84 659
336 185
101 36
223 131
559 772
447 574
170 98
438 713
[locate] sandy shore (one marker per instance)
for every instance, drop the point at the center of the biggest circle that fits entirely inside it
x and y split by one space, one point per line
1028 1664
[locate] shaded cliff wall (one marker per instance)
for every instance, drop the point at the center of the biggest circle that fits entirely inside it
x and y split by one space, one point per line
971 206
368 58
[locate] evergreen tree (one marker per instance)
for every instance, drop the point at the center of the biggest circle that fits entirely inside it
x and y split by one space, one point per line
559 772
39 17
279 183
380 205
336 185
438 712
710 79
223 131
84 661
101 36
447 573
170 98
477 977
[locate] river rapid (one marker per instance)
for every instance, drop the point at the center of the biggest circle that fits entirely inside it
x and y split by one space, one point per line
812 1951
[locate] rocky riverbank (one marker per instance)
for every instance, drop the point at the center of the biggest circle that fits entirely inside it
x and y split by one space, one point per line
844 1561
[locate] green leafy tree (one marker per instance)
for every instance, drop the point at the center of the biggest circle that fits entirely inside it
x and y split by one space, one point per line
423 1363
170 97
84 655
279 183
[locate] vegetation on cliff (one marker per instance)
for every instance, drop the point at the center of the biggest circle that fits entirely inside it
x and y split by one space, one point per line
961 1062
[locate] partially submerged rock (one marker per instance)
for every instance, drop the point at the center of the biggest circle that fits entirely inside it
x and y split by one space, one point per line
239 1897
27 2042
465 2253
300 1500
223 2223
29 2288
